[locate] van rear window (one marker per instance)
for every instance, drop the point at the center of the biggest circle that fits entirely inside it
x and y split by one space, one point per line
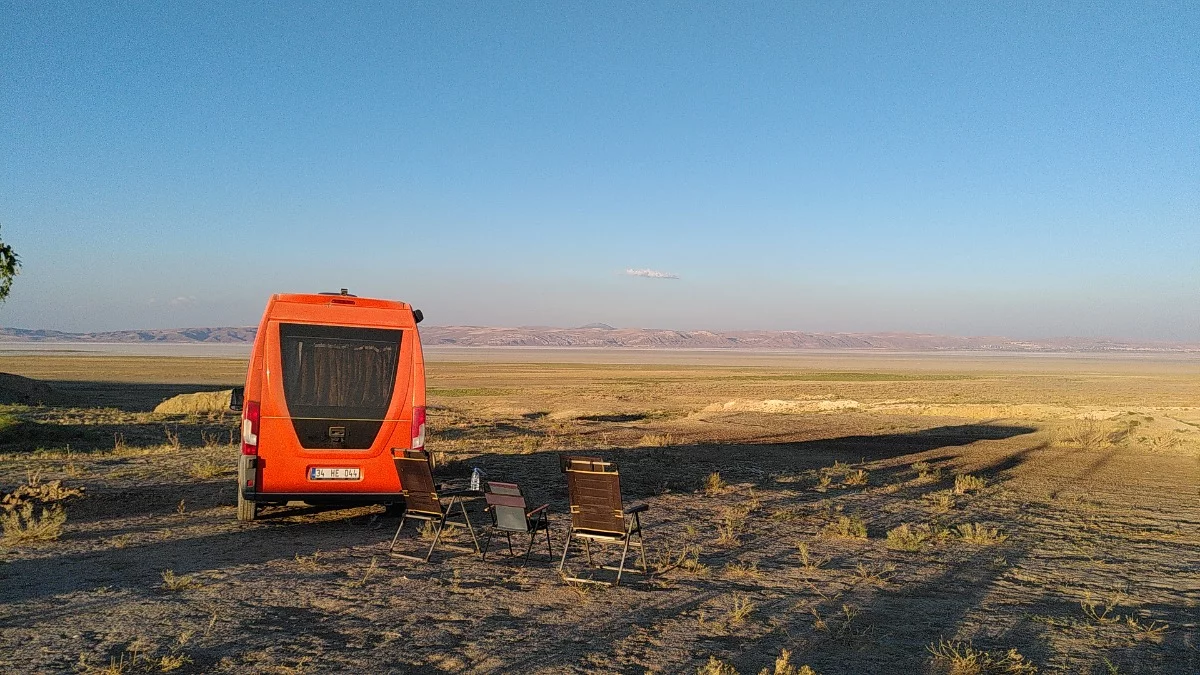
338 372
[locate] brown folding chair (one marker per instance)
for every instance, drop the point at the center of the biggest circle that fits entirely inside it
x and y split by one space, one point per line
597 515
507 506
422 501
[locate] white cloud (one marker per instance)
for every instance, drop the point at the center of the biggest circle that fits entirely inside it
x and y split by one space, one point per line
182 300
650 274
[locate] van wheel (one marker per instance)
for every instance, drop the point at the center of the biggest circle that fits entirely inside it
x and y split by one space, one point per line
393 510
246 510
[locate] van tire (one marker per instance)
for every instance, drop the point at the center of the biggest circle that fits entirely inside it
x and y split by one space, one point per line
246 509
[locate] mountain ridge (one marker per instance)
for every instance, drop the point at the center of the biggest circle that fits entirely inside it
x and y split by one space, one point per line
603 336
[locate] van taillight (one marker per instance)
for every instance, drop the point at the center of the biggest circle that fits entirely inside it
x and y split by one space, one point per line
250 428
418 427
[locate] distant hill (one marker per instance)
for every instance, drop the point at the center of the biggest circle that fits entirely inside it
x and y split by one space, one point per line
598 335
176 335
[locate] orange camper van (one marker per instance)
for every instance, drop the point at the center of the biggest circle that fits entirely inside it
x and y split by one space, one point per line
336 385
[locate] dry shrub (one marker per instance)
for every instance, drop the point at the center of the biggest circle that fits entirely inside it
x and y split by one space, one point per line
736 570
716 666
926 472
905 538
965 482
980 534
655 440
942 500
714 484
730 528
848 527
875 573
783 666
855 478
1085 434
807 560
175 582
960 658
21 526
687 561
207 468
740 608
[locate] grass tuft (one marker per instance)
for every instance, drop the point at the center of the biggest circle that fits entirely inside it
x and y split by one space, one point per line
979 534
964 483
21 526
963 659
846 527
714 484
174 582
906 538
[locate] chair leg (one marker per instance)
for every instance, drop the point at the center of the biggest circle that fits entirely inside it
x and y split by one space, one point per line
487 543
510 548
463 507
397 535
642 545
587 546
549 546
529 549
567 547
437 536
624 553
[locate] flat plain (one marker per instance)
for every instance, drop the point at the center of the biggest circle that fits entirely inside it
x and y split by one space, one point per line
865 513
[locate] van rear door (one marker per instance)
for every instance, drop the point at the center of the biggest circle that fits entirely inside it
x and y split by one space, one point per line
333 395
338 382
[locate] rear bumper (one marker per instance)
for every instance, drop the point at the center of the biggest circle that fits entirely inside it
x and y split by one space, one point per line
323 497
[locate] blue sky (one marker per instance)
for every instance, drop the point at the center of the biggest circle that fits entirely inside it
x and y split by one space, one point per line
967 168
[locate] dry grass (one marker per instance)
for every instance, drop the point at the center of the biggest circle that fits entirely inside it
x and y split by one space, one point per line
22 527
740 608
783 666
729 530
745 571
979 534
205 469
875 573
714 484
960 658
846 527
715 666
1085 434
309 563
906 538
807 560
855 478
175 583
365 576
655 441
965 483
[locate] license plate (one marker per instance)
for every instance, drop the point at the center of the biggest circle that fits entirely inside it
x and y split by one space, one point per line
334 474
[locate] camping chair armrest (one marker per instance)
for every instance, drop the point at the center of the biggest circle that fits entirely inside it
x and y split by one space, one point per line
538 510
637 508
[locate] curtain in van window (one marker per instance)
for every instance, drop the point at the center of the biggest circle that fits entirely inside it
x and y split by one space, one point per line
338 372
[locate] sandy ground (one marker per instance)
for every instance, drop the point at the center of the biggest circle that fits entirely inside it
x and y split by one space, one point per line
1082 553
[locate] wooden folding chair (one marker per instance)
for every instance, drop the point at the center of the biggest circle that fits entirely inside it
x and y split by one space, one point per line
507 507
594 488
422 501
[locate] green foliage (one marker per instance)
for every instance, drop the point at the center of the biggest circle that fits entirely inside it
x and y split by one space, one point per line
10 265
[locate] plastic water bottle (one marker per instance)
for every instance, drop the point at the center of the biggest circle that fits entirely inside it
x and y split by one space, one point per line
476 479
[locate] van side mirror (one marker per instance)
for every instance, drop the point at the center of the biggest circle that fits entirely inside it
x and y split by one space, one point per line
418 317
236 397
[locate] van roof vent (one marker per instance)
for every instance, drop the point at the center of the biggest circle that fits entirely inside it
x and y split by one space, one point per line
345 292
